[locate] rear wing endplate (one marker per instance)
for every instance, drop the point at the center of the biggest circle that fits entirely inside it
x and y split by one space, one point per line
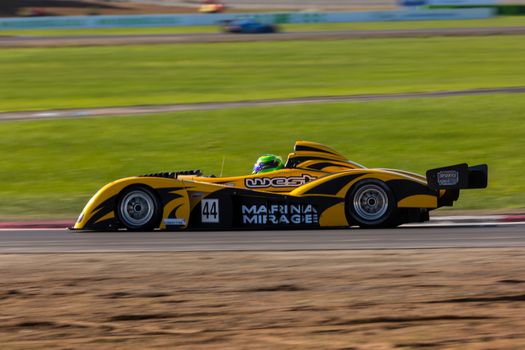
459 176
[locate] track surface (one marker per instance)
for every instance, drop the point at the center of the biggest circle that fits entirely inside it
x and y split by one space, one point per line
41 41
473 236
140 110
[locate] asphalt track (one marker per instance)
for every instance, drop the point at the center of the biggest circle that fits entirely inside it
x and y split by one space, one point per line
415 237
97 40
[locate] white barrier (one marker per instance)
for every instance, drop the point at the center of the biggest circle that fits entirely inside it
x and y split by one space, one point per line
462 2
213 19
410 3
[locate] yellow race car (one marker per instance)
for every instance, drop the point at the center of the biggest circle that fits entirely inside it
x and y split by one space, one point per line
317 187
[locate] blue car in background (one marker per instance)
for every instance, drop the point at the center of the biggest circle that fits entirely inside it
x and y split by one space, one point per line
248 26
412 3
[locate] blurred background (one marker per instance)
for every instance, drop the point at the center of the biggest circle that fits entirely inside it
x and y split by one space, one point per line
67 57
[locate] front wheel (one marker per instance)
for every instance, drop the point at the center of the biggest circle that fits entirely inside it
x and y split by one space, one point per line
139 209
371 204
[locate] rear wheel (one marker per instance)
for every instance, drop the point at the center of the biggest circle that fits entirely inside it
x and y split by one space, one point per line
139 209
370 204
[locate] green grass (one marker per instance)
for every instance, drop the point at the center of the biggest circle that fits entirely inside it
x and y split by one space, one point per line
163 74
510 21
111 31
51 168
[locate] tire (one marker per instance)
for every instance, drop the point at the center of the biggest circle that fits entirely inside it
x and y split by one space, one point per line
139 209
371 204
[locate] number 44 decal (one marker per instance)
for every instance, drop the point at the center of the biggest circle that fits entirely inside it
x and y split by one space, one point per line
210 210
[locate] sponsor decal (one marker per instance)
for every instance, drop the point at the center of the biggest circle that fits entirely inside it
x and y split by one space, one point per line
265 182
279 214
175 222
448 177
210 211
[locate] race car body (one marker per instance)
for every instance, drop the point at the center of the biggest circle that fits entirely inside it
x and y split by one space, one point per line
248 26
212 7
318 187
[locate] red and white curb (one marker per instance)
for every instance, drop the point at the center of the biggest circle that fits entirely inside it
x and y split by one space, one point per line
37 224
477 218
471 221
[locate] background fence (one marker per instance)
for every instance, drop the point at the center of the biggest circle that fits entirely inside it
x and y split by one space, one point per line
212 19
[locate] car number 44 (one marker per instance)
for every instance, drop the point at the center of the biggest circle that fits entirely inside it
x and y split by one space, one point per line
210 210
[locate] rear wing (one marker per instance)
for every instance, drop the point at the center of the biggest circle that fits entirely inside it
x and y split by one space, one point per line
458 176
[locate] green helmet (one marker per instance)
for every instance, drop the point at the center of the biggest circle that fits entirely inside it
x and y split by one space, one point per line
268 162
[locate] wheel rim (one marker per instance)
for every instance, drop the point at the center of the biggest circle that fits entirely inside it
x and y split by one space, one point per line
137 208
370 202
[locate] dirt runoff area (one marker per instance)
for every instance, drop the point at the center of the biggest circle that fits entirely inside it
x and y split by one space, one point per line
360 300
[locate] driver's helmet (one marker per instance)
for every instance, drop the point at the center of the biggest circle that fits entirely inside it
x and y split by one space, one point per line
268 162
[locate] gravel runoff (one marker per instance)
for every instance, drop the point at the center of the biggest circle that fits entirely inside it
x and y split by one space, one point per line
427 299
142 110
109 40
